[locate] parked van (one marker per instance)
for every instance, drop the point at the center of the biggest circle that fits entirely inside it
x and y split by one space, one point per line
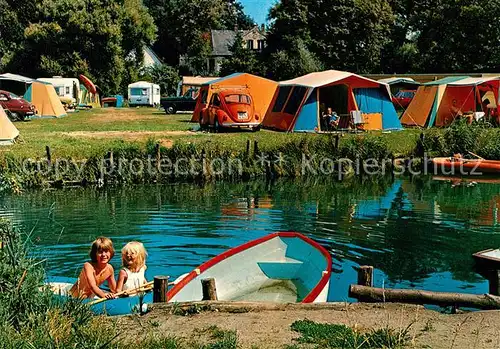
68 89
143 93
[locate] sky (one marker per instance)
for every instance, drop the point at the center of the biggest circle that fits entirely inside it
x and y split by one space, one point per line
257 9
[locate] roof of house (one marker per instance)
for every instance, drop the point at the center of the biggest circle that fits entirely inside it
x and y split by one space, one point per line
150 57
221 40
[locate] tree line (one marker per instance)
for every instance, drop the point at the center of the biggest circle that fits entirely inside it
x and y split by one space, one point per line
104 39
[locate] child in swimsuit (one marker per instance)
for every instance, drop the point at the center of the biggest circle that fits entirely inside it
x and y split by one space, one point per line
134 265
96 272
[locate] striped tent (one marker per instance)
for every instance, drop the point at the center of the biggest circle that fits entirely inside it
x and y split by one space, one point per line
438 103
298 103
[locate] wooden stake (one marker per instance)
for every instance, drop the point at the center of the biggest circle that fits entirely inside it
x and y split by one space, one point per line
209 289
49 157
336 141
158 157
494 282
160 288
247 154
255 149
365 275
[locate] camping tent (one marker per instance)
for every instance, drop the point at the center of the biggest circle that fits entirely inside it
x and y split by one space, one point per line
42 95
14 83
261 90
438 103
8 132
298 103
397 84
188 82
45 99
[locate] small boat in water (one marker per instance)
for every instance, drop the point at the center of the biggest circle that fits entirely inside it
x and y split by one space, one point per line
284 267
281 267
457 166
118 306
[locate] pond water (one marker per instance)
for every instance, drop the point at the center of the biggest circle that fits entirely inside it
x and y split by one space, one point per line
417 233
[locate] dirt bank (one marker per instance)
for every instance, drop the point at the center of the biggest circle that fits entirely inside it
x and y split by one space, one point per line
268 326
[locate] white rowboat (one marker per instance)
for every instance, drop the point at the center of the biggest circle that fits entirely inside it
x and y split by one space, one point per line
281 267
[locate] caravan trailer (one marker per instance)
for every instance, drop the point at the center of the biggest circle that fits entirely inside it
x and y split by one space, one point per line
143 93
68 89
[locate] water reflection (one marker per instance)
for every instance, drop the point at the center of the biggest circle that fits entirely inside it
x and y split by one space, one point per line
418 233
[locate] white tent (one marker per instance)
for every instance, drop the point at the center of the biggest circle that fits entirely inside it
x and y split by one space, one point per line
15 77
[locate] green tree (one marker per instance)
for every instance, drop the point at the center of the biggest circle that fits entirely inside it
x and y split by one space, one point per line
342 34
99 38
288 64
183 25
350 34
458 36
242 60
165 76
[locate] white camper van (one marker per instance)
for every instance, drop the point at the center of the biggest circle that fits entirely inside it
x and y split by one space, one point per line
68 89
143 93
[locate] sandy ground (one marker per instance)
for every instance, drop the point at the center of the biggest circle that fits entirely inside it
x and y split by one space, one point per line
266 328
126 134
162 136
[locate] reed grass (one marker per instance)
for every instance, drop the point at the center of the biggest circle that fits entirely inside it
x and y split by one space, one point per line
68 139
341 336
31 317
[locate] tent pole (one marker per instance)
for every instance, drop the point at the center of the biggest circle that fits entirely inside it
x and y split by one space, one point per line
317 104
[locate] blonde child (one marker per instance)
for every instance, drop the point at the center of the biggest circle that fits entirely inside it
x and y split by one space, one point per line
95 272
134 265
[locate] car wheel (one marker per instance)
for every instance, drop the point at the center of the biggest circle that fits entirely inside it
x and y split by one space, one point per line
170 110
256 128
203 126
216 125
14 116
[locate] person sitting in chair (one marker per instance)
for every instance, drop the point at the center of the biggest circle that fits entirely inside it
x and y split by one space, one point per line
455 110
330 119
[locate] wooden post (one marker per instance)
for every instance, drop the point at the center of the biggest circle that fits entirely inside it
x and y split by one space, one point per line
158 156
209 289
160 288
247 154
255 149
494 282
49 157
336 141
365 275
111 160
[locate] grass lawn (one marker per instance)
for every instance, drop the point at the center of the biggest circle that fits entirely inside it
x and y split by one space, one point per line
94 132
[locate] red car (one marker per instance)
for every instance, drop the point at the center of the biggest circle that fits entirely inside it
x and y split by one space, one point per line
16 107
230 108
403 98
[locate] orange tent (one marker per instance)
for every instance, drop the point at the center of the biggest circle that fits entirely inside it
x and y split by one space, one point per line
8 132
261 90
45 99
438 103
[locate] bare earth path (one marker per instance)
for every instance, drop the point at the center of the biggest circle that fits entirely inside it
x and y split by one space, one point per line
269 326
